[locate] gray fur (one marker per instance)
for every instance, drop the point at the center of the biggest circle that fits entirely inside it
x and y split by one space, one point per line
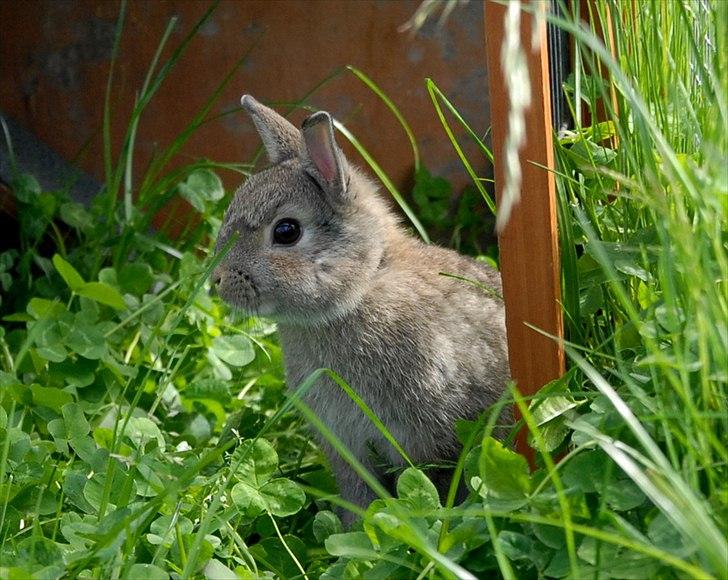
359 295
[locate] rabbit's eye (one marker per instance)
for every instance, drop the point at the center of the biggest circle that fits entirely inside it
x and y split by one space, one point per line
286 232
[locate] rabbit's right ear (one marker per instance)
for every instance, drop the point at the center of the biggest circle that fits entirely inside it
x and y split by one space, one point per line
280 138
323 159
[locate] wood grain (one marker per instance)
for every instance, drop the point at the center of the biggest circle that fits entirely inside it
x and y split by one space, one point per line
529 253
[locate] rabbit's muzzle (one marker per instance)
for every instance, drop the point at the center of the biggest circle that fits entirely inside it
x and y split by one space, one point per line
236 287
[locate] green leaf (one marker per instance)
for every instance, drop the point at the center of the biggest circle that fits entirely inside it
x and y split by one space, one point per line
277 557
630 565
471 533
351 545
104 438
665 536
147 571
213 389
77 529
504 472
591 299
85 447
26 187
52 352
41 308
551 407
632 268
414 486
199 428
671 318
283 497
122 487
553 434
69 274
236 350
256 460
279 497
73 486
135 278
108 276
200 188
155 485
102 293
326 523
57 429
518 546
586 470
588 155
50 397
550 536
164 529
340 570
465 429
590 550
559 567
86 340
141 431
76 216
433 195
19 444
220 369
78 373
623 495
215 570
40 551
6 280
248 499
75 420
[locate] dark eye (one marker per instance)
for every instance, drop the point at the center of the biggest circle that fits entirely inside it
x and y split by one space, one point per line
286 232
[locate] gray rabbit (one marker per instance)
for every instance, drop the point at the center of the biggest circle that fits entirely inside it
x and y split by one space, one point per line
323 255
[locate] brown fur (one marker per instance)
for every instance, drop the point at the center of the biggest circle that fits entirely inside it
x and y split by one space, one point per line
359 295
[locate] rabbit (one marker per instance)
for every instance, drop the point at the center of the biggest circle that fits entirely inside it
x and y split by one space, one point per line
323 255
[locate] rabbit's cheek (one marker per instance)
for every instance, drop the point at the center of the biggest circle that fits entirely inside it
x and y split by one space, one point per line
289 269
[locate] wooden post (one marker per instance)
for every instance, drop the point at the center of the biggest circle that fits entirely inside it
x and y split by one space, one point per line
529 252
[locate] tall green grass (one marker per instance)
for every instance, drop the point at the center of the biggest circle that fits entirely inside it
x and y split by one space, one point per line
642 221
648 219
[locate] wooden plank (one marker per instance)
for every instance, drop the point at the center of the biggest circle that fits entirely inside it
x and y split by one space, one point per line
529 253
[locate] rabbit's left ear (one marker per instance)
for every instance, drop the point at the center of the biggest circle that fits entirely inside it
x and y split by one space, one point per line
280 138
323 159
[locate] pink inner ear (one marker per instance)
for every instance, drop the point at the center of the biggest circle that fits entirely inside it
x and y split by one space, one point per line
321 151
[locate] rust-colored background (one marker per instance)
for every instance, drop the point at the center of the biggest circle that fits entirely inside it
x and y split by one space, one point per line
55 57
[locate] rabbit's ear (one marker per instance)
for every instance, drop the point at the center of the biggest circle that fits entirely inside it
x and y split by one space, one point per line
280 138
324 161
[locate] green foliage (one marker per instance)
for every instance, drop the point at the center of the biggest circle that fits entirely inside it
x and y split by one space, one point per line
639 422
112 413
118 373
460 220
144 434
257 491
202 189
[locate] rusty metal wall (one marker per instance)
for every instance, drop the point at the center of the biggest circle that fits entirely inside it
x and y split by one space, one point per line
55 56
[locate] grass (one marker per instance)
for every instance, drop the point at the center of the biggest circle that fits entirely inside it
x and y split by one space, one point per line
146 434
